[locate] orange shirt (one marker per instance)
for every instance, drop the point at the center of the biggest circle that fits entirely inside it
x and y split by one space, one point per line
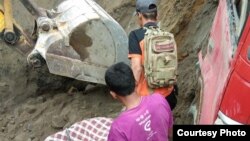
142 87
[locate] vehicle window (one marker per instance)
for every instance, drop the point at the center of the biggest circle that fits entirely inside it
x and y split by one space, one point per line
241 12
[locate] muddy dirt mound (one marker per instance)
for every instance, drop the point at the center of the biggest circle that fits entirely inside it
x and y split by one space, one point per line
190 21
35 104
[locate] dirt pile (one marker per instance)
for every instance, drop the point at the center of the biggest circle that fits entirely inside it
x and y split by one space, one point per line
35 104
190 21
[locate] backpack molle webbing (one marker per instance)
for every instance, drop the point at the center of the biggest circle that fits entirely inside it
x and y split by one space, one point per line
160 53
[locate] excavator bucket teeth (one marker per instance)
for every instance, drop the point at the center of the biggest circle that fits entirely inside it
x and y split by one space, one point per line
79 40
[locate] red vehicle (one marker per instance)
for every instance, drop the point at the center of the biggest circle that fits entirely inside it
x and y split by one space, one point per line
225 69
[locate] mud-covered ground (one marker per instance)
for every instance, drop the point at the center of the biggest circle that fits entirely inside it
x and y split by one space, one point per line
35 104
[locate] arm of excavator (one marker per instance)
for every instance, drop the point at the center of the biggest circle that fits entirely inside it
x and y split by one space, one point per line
1 19
11 32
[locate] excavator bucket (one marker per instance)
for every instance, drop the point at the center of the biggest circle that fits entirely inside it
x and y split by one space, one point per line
79 40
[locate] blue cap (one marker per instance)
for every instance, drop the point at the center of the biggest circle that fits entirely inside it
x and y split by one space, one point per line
146 6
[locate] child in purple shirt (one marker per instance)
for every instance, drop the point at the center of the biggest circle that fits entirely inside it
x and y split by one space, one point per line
147 118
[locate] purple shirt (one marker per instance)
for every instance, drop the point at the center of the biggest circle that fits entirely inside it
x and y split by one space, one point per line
149 121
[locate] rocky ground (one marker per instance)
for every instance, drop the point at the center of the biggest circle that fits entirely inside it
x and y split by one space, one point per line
35 104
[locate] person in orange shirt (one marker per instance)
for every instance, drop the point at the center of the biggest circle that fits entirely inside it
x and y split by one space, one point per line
147 16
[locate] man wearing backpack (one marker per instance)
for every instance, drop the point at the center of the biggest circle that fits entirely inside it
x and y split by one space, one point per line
147 19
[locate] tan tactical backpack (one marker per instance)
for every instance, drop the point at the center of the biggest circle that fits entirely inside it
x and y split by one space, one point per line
160 58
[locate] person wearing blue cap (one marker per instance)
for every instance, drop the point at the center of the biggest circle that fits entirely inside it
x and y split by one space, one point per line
147 17
147 115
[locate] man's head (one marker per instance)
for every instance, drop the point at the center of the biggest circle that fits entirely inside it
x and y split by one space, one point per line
146 11
120 80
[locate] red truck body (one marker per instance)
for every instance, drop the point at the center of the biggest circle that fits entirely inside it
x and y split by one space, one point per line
225 71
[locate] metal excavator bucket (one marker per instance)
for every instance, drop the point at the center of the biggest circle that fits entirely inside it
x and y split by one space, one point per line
79 40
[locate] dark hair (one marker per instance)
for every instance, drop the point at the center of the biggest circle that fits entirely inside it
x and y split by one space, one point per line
150 15
120 79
